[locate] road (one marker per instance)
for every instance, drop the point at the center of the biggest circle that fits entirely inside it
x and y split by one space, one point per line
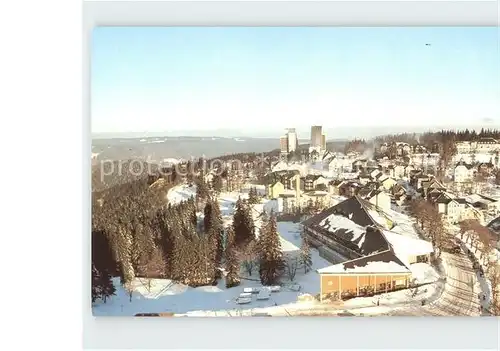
460 296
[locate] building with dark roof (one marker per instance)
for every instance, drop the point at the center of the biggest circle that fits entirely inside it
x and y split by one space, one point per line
368 257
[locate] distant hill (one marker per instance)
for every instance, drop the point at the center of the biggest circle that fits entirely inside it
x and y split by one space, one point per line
110 174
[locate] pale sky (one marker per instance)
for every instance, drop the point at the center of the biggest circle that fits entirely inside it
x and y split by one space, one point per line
158 79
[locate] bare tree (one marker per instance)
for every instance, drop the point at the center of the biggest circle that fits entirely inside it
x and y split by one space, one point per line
465 226
437 231
248 257
482 239
292 264
494 277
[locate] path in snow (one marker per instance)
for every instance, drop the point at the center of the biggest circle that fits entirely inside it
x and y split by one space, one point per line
460 296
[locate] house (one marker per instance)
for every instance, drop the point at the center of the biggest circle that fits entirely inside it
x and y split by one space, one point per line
384 147
375 174
485 168
399 171
463 172
449 207
367 257
334 186
358 165
364 178
349 188
376 197
402 148
455 210
484 203
340 164
419 179
311 182
387 182
470 212
274 190
400 194
316 198
408 170
290 179
463 147
288 202
389 171
486 145
419 149
431 186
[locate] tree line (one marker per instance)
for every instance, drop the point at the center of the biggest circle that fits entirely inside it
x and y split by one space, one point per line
134 234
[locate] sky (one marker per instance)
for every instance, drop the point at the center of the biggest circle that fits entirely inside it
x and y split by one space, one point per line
264 79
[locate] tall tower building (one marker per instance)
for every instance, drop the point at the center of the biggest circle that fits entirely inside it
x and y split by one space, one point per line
292 139
284 144
323 142
316 136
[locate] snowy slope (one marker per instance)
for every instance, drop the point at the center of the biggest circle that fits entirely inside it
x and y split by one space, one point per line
181 193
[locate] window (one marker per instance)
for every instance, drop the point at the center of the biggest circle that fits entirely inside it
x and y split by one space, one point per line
400 282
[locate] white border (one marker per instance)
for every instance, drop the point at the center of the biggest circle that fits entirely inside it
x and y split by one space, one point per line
456 333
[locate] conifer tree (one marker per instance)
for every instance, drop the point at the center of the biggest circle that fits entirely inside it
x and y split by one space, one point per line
253 197
232 267
96 286
271 257
243 224
107 288
228 237
217 183
214 230
305 255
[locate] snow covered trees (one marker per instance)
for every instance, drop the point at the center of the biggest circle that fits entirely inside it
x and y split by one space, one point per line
214 231
253 196
102 285
271 263
103 267
305 255
231 260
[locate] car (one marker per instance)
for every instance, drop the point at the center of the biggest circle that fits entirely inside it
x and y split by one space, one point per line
147 315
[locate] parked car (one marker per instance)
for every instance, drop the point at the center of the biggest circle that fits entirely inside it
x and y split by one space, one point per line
147 315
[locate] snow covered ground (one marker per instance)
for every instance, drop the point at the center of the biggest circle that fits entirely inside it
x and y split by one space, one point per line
167 296
294 297
478 157
422 273
181 193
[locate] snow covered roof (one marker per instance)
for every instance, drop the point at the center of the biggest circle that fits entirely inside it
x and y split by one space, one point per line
359 226
383 262
317 193
406 245
349 224
475 198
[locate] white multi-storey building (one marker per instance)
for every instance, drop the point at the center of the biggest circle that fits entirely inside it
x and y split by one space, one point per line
484 145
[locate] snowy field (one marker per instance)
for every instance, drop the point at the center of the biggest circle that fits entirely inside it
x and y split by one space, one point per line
181 193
